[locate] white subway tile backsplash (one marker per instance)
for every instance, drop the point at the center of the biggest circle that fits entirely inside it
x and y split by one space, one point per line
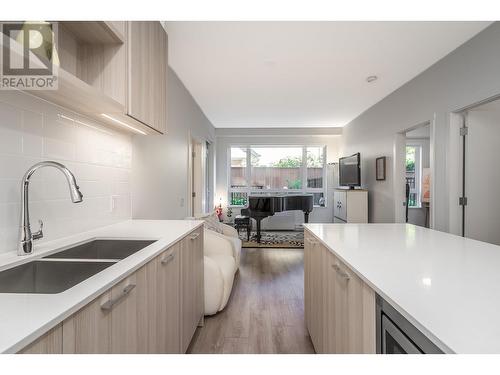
11 142
32 145
57 149
32 130
10 191
14 166
11 117
10 213
33 123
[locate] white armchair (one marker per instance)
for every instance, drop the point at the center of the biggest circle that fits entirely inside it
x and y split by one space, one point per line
222 259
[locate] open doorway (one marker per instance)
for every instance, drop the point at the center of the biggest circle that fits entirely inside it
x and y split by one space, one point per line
198 177
474 137
418 176
413 175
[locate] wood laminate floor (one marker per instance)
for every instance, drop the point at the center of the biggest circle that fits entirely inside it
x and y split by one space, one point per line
265 313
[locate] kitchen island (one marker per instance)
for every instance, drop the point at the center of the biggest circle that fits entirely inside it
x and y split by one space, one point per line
447 286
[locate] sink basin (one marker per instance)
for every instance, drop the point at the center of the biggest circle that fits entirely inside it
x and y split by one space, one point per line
48 277
103 249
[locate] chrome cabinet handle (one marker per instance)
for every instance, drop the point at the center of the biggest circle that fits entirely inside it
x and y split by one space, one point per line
194 236
312 242
168 259
108 305
341 273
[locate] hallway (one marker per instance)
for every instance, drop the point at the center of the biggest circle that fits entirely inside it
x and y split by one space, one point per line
266 311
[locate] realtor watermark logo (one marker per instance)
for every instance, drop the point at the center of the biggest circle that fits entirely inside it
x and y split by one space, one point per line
29 56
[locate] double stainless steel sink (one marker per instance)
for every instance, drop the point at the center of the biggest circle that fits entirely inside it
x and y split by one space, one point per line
62 270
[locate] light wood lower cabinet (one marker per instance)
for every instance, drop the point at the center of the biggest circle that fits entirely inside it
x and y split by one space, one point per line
339 306
169 293
192 298
50 343
89 329
156 309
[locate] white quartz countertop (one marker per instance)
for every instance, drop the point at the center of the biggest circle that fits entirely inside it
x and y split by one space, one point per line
25 317
446 285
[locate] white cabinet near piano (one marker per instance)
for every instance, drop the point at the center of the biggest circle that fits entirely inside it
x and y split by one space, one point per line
350 206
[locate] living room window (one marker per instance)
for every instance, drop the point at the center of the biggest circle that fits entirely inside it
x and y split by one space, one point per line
277 169
414 174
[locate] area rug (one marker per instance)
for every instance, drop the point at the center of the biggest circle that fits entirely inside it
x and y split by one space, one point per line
274 239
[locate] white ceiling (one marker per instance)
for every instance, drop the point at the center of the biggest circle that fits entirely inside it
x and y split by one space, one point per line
303 74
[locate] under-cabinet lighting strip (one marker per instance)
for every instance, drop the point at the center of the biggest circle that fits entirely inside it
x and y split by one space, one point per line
122 123
84 124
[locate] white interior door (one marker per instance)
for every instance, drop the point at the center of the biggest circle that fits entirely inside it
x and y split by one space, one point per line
482 175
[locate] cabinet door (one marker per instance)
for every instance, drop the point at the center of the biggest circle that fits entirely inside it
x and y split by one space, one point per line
148 67
357 201
316 299
352 329
340 204
50 343
133 306
308 243
360 317
330 327
168 297
88 331
192 295
124 319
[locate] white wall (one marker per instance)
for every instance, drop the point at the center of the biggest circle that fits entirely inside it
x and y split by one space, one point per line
286 136
467 75
31 131
160 164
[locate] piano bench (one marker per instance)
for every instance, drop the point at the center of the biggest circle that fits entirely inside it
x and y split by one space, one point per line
243 222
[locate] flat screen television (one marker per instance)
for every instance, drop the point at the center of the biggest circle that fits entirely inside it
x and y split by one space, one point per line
349 171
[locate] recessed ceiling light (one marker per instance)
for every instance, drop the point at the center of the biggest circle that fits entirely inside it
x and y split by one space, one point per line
371 79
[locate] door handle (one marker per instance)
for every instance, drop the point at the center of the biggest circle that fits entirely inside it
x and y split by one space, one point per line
194 236
108 305
168 259
341 272
312 242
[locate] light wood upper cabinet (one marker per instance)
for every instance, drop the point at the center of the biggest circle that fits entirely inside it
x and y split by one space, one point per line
339 306
114 72
192 298
147 73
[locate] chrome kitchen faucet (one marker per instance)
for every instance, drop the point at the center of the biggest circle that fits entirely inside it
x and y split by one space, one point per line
27 237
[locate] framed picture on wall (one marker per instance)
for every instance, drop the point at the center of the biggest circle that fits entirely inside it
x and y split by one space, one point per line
380 168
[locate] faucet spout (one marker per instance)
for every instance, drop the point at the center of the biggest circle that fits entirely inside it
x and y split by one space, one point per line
27 237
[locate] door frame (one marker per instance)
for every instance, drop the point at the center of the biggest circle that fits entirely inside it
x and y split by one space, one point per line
201 151
399 181
454 172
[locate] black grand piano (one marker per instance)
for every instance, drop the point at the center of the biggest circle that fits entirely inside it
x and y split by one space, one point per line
262 206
